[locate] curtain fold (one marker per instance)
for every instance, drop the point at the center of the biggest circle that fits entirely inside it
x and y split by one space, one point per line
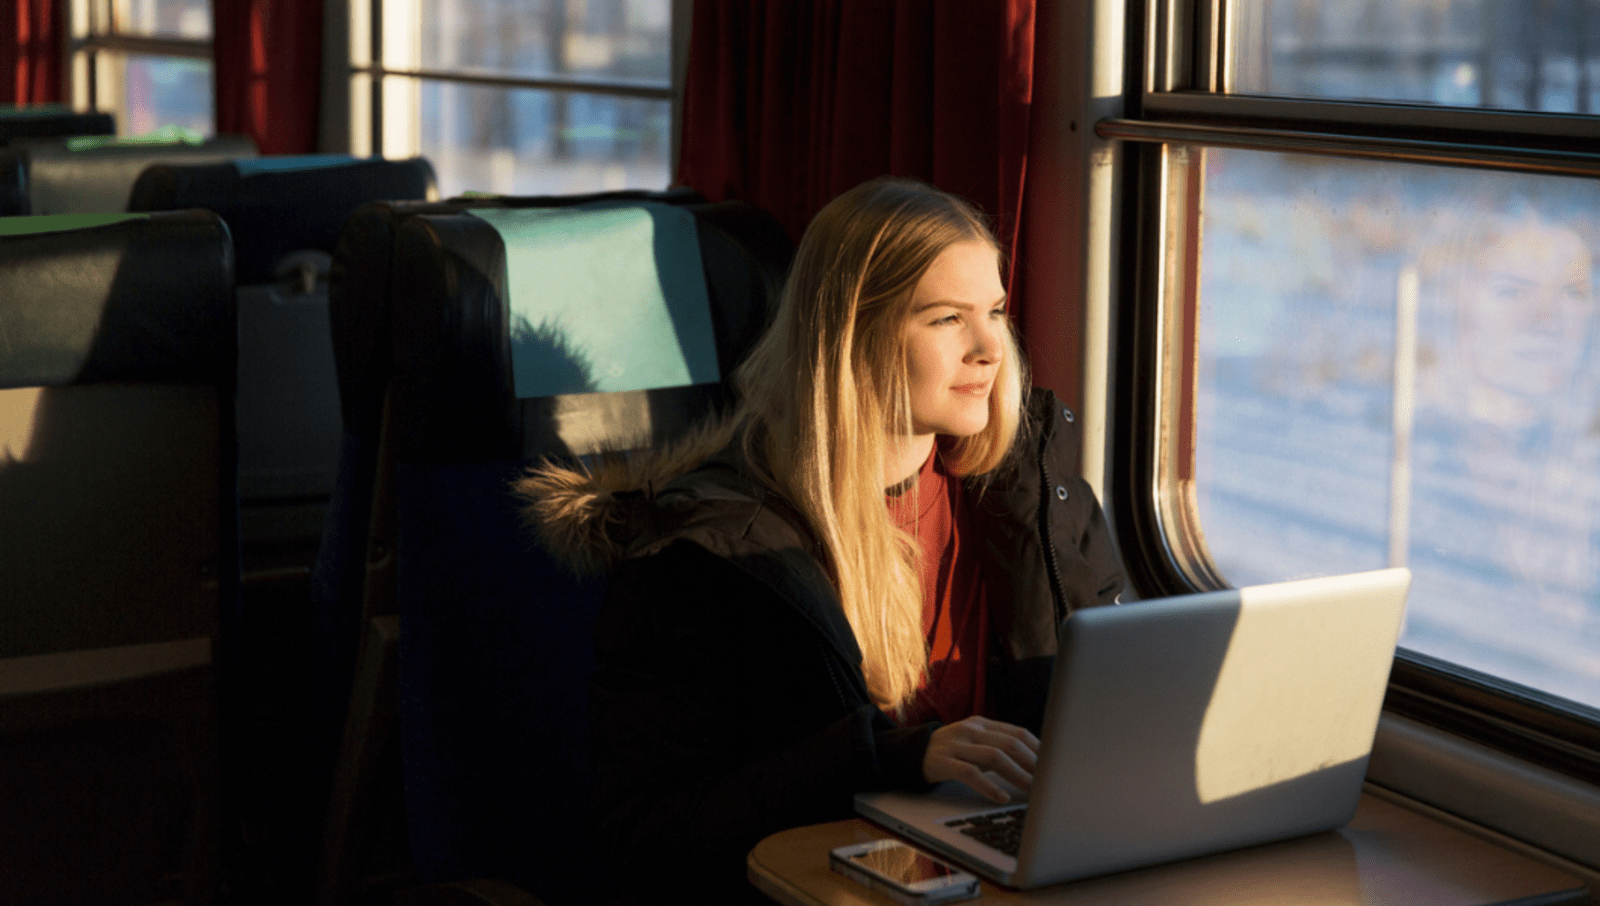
272 97
30 51
790 102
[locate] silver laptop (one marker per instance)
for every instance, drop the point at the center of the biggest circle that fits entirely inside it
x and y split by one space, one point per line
1182 726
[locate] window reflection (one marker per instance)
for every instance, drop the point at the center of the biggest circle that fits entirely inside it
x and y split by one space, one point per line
1506 500
1496 498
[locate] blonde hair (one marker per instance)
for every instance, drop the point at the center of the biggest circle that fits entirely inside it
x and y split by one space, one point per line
826 388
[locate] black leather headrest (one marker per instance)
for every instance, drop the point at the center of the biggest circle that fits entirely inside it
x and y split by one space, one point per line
93 174
452 357
149 298
272 212
51 122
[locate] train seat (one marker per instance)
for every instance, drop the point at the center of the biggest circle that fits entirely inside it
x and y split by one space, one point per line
285 215
93 174
494 644
51 121
353 599
357 543
118 554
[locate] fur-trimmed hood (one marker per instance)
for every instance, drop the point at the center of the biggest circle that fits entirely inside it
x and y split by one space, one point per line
588 514
1036 522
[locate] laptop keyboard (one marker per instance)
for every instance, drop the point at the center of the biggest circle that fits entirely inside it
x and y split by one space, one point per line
1001 830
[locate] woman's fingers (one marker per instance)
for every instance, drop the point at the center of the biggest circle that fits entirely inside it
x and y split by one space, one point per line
1021 734
965 749
1016 749
991 759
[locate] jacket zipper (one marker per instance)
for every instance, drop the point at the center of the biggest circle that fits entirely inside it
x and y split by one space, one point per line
1046 491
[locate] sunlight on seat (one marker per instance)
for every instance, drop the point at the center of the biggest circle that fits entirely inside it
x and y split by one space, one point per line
18 408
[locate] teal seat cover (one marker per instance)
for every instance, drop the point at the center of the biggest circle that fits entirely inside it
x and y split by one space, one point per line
605 298
250 166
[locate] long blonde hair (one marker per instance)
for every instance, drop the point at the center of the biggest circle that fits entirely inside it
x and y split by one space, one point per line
826 388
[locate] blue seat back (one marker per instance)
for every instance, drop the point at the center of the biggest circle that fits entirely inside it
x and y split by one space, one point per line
354 572
357 547
496 638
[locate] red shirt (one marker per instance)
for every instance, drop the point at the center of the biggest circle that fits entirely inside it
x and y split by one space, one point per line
955 617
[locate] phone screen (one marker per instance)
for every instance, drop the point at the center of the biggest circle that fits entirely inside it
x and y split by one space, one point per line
904 864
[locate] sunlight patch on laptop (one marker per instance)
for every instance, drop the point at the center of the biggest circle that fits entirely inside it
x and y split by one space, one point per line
1319 708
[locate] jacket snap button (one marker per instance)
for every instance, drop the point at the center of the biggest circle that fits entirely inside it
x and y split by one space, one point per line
1061 492
1066 414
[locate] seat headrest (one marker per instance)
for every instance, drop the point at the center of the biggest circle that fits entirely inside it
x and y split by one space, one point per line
604 298
359 282
93 174
50 121
459 294
277 205
88 299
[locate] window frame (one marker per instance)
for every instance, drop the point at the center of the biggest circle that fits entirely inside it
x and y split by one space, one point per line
93 29
1176 78
367 118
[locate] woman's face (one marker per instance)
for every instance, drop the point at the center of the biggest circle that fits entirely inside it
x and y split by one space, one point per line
954 340
1528 302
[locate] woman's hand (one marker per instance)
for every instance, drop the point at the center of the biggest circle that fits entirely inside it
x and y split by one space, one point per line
965 749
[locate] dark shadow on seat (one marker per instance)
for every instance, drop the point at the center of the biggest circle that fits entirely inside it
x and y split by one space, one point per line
118 529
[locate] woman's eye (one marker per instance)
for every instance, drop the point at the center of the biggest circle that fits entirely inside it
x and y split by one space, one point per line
998 313
948 319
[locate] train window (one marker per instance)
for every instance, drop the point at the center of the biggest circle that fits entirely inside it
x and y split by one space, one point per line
548 97
148 62
1396 367
1362 239
1508 54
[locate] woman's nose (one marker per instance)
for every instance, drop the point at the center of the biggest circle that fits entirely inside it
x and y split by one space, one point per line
986 347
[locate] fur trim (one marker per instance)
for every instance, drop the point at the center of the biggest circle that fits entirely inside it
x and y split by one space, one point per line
586 514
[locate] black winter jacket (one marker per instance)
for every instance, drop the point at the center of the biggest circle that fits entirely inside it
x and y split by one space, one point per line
728 697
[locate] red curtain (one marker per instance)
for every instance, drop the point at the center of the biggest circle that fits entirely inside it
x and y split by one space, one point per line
30 51
790 102
273 97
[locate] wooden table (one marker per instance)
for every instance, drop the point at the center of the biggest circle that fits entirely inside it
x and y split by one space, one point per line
1386 855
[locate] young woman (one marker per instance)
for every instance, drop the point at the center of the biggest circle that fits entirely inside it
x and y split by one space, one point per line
852 583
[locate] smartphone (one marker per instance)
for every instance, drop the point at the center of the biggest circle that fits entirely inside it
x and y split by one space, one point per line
902 871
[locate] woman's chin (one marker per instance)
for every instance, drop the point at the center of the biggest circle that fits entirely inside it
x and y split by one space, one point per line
967 427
